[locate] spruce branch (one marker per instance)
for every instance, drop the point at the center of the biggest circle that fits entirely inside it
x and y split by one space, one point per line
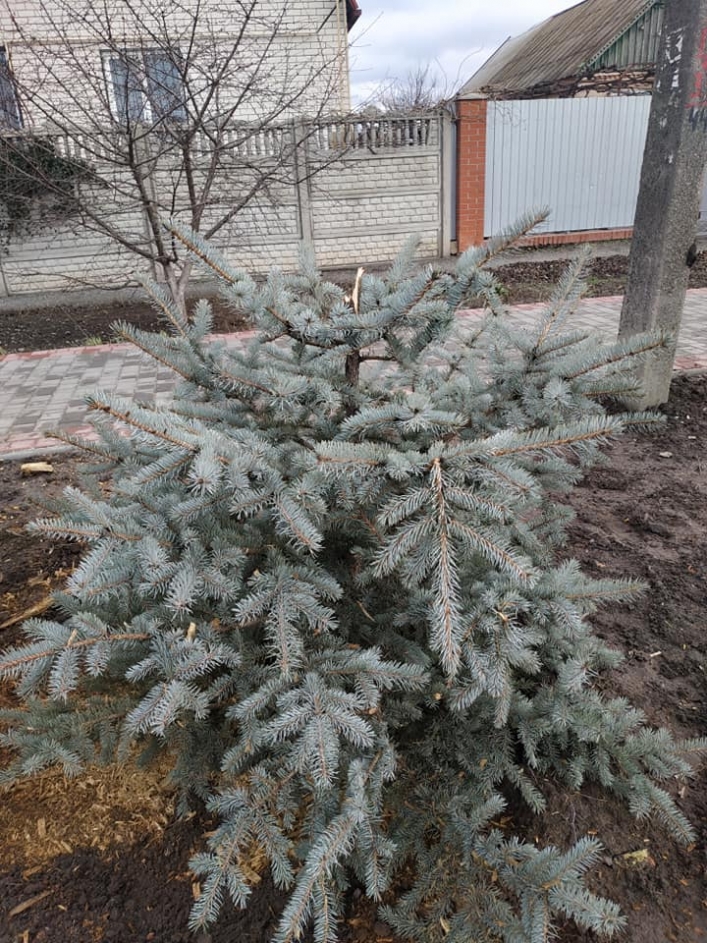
12 667
447 629
125 416
161 300
127 332
328 590
637 346
85 445
202 251
564 299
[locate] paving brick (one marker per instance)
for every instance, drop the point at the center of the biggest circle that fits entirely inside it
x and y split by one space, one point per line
45 390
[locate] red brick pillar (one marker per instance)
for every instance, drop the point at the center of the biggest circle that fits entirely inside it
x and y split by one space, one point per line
471 175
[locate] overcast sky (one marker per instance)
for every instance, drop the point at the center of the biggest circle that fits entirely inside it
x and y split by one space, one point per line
393 36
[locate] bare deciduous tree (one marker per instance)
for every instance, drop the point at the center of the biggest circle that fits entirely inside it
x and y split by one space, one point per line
181 110
421 89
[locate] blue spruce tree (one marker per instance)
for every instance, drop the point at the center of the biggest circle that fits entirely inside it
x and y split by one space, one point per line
325 583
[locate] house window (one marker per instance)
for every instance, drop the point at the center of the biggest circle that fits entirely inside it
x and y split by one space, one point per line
10 114
145 85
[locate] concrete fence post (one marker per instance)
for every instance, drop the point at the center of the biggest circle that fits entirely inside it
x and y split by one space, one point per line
448 184
302 161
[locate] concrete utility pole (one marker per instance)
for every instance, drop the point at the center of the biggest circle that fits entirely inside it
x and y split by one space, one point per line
671 185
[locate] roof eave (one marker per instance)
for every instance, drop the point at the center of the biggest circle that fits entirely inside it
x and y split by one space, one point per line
353 12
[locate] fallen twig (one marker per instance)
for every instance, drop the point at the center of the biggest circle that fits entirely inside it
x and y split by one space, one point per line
25 905
34 610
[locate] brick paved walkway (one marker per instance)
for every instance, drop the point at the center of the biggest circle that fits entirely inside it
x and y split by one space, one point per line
45 390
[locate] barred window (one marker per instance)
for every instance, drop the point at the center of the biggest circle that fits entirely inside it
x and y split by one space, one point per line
10 113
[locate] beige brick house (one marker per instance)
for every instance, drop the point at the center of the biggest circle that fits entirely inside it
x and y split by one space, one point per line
150 60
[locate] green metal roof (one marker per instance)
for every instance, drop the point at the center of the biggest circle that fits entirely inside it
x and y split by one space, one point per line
564 46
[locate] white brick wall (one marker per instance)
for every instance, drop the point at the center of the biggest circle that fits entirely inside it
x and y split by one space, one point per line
359 209
66 259
81 18
372 248
308 51
367 171
403 210
365 206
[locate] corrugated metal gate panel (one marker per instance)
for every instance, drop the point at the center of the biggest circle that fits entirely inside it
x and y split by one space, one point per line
581 157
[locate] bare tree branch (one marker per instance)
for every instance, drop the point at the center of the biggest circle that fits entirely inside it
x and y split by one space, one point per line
183 110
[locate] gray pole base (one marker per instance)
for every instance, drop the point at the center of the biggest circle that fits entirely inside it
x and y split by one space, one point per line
669 196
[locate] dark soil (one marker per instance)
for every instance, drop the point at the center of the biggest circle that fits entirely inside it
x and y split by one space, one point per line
142 893
71 326
527 282
96 860
30 566
645 516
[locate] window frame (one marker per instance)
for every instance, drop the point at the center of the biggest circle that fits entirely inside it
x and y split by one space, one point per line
11 117
145 61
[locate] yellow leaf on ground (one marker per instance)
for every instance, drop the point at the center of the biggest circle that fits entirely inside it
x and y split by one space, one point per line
637 858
